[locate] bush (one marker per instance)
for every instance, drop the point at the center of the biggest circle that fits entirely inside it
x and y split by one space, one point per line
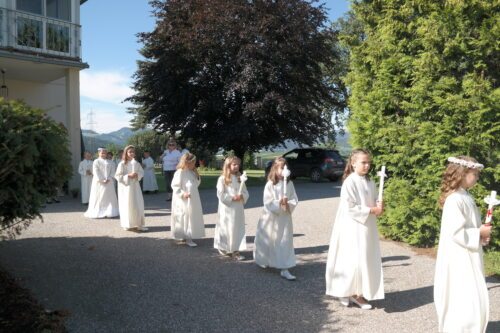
35 162
424 86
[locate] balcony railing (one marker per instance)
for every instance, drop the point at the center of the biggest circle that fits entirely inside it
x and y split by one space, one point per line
39 34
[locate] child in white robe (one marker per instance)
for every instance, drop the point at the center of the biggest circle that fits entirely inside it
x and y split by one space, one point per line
229 237
128 174
103 201
274 235
149 183
460 293
186 221
354 266
85 171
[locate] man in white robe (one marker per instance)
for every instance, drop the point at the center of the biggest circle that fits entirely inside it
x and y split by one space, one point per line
149 183
85 171
103 201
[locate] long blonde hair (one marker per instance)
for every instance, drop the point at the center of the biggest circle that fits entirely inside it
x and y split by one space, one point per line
185 160
352 158
274 173
226 169
453 176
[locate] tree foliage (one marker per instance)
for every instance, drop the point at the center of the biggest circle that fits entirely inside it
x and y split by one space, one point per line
238 75
424 86
35 162
148 140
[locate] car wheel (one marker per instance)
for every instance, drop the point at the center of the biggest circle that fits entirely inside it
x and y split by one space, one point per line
334 178
315 175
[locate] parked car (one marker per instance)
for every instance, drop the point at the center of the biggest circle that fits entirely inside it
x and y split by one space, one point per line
315 163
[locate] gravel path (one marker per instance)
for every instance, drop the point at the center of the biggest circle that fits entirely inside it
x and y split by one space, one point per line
111 280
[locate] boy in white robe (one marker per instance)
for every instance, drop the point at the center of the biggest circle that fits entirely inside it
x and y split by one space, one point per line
85 171
128 174
274 235
149 183
103 201
186 221
354 266
229 237
460 293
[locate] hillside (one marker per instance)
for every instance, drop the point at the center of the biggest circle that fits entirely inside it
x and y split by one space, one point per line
93 140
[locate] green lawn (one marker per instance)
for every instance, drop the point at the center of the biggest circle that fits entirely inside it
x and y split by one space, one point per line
492 263
209 179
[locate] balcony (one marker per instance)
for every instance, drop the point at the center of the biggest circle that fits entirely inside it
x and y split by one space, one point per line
39 35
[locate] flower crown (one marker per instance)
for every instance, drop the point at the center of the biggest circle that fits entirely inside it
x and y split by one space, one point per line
464 163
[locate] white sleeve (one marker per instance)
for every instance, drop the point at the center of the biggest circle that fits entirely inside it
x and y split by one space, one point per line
176 184
356 211
455 217
81 169
121 174
270 202
222 194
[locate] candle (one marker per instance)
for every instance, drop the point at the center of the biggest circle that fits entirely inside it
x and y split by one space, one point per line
382 176
285 173
243 179
492 202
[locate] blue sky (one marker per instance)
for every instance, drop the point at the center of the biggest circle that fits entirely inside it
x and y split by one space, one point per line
110 47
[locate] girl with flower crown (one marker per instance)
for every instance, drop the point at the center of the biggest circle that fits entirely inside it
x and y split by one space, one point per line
229 237
460 293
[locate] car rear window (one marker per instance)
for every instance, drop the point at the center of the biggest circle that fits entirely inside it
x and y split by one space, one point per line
333 154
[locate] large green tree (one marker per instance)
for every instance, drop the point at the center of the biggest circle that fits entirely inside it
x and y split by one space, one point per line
424 83
35 163
238 75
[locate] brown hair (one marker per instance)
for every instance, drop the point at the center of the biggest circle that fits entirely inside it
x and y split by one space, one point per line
352 158
124 155
274 173
226 170
452 178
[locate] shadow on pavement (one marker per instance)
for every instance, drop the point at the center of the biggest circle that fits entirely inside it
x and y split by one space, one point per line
405 300
148 284
493 327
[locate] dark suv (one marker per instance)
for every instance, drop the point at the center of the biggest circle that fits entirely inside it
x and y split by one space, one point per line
315 163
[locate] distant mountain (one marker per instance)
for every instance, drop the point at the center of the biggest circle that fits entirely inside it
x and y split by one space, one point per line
93 140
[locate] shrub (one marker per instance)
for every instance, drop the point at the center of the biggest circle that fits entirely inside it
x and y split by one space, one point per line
35 162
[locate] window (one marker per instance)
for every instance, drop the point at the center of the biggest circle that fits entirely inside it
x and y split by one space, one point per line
59 9
29 32
291 155
30 6
57 38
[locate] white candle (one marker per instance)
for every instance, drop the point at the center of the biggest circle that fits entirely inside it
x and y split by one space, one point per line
382 176
243 179
285 173
492 202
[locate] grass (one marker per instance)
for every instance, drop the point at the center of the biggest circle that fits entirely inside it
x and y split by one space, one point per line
492 264
209 179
